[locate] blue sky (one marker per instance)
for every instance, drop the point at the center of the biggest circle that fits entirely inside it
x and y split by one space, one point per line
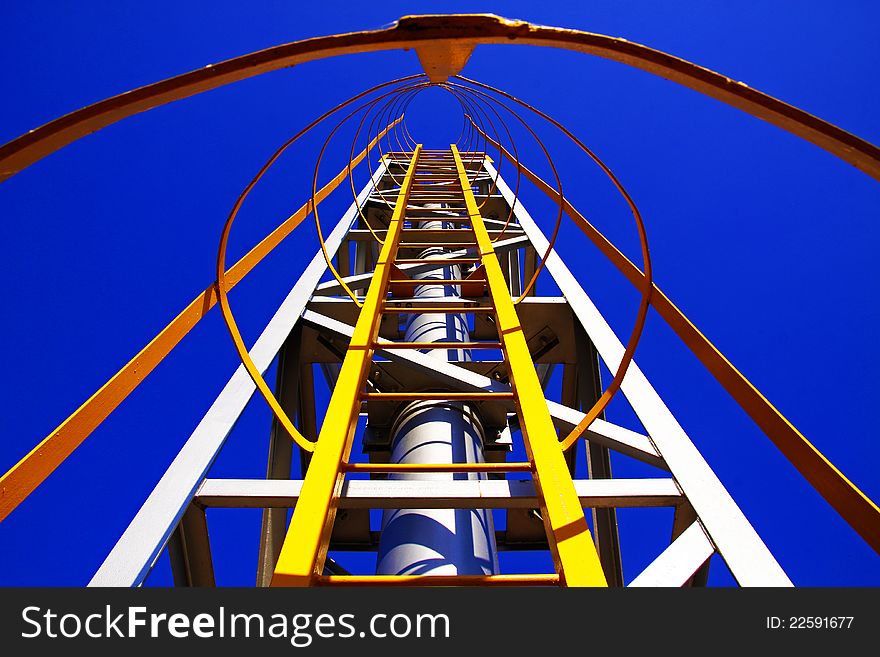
765 241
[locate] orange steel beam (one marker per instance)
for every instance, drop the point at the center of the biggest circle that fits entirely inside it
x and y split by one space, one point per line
845 497
24 477
426 33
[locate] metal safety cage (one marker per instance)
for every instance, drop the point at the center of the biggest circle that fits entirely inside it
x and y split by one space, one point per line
432 336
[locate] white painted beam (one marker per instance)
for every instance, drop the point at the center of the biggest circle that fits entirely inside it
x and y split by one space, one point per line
133 556
458 378
748 558
434 494
677 563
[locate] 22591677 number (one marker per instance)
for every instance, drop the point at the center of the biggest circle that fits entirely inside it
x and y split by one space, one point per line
809 623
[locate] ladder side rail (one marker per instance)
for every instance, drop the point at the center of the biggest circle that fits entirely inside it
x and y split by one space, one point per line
749 559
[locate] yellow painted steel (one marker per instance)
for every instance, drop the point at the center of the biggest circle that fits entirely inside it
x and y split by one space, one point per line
574 552
305 546
33 469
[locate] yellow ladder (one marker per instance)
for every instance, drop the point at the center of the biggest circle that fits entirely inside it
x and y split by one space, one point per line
438 177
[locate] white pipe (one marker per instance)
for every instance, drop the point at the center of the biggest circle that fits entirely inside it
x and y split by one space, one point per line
437 541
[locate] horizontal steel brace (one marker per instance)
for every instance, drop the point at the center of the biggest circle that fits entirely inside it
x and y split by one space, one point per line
398 494
452 237
397 302
357 280
458 378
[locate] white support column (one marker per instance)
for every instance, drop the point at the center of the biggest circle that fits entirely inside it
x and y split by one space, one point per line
677 563
437 541
133 556
749 560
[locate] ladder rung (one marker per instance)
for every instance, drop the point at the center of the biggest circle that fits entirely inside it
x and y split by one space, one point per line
438 345
439 396
418 302
452 220
448 216
419 282
515 466
440 261
439 310
436 231
420 211
410 211
437 580
425 245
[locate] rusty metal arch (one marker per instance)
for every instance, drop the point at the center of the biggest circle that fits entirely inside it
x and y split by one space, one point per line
444 42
